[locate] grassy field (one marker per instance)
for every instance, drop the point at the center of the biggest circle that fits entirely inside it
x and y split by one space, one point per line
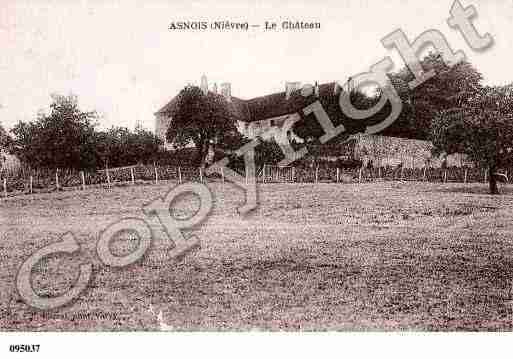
374 256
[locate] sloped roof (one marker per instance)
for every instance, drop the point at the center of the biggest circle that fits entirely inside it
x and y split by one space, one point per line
168 108
240 108
237 105
277 104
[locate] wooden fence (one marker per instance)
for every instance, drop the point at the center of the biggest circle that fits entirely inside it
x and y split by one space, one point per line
357 175
26 181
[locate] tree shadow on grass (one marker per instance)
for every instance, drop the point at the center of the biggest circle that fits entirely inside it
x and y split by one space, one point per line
476 189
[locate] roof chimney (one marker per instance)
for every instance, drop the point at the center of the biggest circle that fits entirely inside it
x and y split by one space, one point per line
214 88
350 84
204 84
291 87
316 89
336 88
226 90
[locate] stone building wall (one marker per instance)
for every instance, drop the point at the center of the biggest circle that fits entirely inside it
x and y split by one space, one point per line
161 124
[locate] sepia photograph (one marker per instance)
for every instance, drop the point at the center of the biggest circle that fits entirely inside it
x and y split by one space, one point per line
250 167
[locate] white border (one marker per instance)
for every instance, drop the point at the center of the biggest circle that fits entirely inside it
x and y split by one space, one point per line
259 345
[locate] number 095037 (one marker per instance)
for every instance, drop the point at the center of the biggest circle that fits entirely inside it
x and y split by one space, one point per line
24 348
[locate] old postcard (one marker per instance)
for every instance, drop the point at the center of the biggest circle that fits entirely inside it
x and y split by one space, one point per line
254 166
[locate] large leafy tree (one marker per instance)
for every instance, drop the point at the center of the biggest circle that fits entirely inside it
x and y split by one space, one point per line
67 137
450 88
481 127
63 138
203 119
144 144
119 146
310 130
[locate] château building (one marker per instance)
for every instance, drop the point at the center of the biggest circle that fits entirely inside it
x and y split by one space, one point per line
266 116
274 116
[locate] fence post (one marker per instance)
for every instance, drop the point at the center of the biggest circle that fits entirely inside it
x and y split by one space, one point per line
445 176
57 179
360 175
201 176
83 180
108 175
132 175
317 174
293 174
30 186
179 175
485 175
465 177
424 174
222 175
379 172
156 173
5 187
263 174
338 173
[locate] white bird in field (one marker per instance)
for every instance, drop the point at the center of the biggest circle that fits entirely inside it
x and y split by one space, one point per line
160 317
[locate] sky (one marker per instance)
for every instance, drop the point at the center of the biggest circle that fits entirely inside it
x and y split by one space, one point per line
120 58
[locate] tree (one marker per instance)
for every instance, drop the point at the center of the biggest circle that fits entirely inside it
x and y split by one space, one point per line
205 119
310 130
5 139
449 88
64 138
5 144
119 146
481 127
144 144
